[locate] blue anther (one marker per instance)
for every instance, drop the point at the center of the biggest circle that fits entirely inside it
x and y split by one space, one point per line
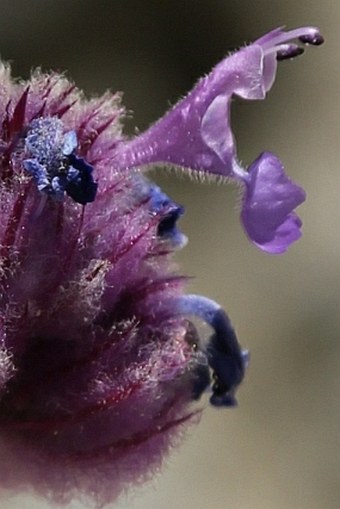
288 51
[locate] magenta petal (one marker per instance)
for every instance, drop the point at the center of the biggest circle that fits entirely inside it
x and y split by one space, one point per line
268 205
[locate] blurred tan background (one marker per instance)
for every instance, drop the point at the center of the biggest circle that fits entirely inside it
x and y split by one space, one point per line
281 448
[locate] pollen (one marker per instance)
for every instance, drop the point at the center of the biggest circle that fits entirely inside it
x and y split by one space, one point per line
53 165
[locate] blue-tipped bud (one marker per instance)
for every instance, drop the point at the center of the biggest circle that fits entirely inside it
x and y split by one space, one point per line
224 354
53 164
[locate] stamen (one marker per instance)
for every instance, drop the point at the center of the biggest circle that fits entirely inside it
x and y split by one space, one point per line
223 351
308 35
287 51
315 39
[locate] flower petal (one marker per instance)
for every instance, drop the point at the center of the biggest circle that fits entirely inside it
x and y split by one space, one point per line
268 205
185 135
196 134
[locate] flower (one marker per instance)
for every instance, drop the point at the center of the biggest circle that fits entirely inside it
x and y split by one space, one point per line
100 362
196 134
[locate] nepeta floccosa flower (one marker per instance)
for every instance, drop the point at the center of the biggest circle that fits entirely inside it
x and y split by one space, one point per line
100 361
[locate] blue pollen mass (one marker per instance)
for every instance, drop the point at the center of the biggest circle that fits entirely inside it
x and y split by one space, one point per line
53 165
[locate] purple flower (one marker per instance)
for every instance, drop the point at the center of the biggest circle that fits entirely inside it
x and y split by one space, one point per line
196 134
100 363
